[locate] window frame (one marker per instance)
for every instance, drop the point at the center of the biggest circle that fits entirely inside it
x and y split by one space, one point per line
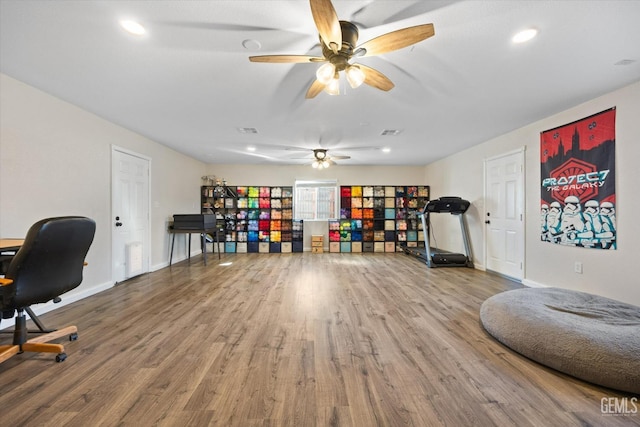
316 184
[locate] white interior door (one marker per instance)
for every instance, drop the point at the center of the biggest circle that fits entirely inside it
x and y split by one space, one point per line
504 216
130 214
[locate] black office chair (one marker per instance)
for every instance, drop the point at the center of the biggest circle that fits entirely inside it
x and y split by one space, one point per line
49 263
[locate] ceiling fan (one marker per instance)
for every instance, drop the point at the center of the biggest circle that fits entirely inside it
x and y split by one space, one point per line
338 40
321 159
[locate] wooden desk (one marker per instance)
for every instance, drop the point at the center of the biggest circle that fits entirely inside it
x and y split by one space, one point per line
203 240
10 244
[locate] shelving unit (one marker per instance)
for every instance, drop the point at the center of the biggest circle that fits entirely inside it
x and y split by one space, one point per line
378 218
256 219
417 198
259 219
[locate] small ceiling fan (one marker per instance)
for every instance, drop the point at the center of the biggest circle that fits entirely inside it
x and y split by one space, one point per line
338 40
321 160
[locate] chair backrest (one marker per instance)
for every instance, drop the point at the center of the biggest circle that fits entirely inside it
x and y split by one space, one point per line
51 260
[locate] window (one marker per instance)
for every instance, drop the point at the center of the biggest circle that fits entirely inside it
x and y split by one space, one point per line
315 200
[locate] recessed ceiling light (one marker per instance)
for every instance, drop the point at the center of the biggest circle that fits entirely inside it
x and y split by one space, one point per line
386 150
251 44
133 27
251 148
525 35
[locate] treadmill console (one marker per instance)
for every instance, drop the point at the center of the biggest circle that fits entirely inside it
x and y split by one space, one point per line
453 205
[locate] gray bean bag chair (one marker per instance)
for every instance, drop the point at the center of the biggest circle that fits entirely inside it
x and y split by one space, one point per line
587 336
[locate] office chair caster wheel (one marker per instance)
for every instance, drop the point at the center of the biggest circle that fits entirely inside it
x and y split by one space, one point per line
73 336
61 357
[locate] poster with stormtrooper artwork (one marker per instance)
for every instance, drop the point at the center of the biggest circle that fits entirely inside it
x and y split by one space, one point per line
578 193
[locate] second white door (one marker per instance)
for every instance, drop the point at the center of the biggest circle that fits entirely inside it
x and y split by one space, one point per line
504 216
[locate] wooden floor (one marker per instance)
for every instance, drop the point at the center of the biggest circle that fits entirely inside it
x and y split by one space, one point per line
292 340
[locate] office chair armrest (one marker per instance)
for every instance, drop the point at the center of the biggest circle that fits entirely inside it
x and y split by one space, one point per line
5 282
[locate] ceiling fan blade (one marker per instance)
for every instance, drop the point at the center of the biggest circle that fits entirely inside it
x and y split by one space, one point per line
397 39
358 148
340 157
299 149
315 88
376 79
220 26
326 19
286 58
375 14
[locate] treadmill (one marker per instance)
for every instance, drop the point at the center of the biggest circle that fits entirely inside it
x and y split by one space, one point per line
455 206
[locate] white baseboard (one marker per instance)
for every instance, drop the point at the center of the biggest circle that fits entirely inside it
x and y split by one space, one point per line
175 259
480 267
39 309
66 299
532 284
159 266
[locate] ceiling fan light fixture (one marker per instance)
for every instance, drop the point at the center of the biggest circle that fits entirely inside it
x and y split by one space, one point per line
315 164
333 88
355 76
326 73
325 164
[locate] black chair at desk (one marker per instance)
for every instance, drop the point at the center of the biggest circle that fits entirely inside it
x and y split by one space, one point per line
49 263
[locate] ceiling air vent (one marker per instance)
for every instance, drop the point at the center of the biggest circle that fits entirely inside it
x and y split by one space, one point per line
390 132
247 130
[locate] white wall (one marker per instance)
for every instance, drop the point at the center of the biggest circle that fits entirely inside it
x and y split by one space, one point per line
608 273
55 159
272 175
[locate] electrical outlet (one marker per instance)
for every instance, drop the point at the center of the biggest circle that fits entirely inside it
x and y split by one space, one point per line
577 267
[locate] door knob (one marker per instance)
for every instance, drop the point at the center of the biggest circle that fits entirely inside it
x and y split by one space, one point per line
487 222
118 224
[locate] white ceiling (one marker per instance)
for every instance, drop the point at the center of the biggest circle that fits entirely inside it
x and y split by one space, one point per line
188 83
